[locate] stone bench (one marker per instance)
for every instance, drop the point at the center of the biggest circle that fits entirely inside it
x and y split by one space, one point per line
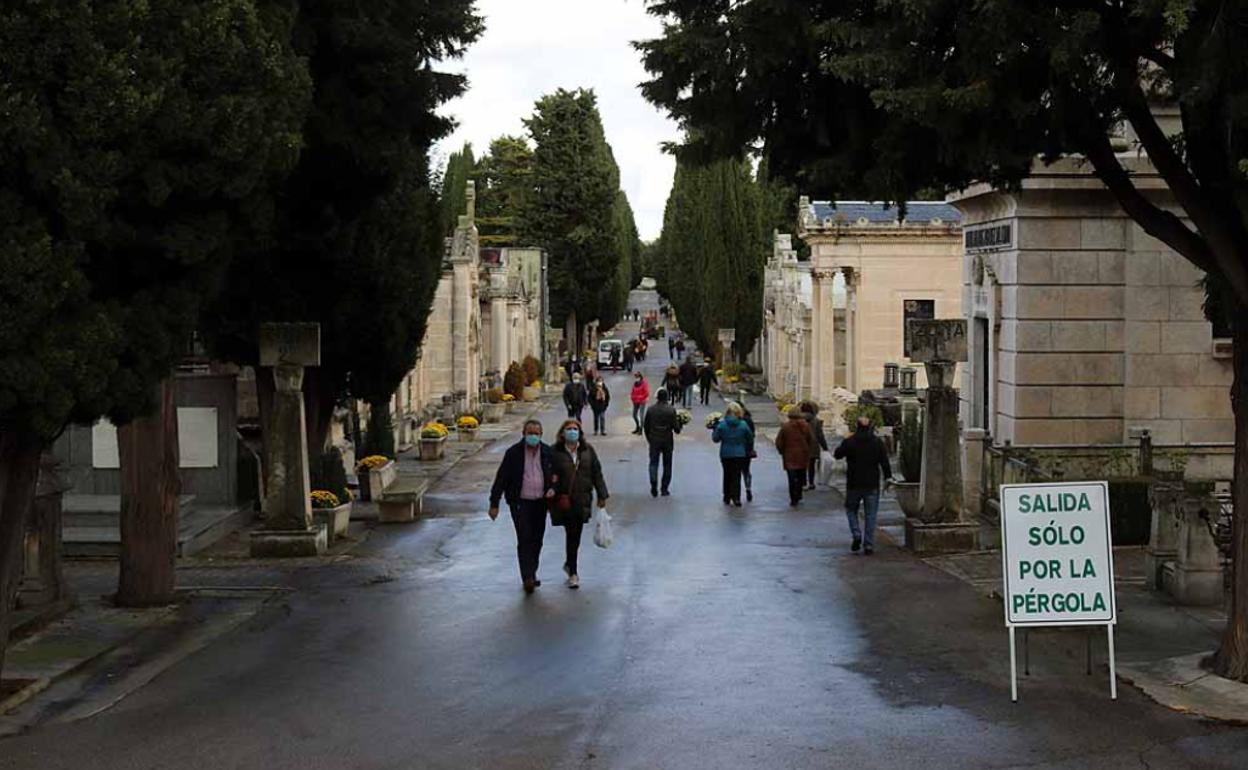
401 501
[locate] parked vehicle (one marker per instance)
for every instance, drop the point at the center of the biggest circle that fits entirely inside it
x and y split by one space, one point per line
610 354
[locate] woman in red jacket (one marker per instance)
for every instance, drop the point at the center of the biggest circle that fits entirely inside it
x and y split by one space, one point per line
640 396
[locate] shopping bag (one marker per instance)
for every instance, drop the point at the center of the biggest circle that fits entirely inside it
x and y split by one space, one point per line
826 466
603 534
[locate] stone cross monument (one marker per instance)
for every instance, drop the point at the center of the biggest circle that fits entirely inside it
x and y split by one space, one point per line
288 528
940 345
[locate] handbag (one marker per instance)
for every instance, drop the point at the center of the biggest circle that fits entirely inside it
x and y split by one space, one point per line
563 502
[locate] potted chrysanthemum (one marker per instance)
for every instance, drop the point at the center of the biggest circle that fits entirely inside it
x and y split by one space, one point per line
433 441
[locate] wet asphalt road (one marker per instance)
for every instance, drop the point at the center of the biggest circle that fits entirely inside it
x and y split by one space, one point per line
706 638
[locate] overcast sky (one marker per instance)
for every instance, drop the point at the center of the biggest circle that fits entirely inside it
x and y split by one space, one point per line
532 47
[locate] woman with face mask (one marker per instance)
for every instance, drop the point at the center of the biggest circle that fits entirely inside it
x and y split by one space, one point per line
735 440
640 396
580 480
599 400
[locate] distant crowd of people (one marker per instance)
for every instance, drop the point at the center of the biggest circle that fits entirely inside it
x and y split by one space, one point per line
565 480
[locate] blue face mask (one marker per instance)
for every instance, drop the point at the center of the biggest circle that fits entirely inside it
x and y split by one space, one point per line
572 435
532 439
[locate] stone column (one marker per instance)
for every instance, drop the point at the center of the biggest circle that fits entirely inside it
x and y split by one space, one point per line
940 493
851 330
288 529
43 578
498 321
823 323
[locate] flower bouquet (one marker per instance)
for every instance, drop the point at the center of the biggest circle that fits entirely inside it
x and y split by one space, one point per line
684 417
712 419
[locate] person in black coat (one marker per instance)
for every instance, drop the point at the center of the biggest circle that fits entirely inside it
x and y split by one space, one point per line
706 380
599 400
660 426
526 479
579 478
810 410
866 458
575 397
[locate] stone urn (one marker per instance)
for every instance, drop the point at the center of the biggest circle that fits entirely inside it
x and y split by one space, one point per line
432 449
907 493
532 393
493 412
336 520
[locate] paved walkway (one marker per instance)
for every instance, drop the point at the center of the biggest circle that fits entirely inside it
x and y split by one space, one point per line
707 637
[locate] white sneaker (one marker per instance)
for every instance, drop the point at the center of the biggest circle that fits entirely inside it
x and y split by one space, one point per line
574 581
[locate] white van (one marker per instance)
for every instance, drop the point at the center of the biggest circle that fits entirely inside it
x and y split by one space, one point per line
608 349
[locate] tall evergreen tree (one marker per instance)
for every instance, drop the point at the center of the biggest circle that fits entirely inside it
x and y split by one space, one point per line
575 181
358 244
452 198
139 149
712 252
627 246
504 187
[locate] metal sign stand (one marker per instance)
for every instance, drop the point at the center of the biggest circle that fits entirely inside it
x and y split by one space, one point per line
1113 667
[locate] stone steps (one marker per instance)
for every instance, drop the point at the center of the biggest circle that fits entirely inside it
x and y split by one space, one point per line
91 525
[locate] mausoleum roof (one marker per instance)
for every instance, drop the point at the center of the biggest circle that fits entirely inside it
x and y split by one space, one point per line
917 212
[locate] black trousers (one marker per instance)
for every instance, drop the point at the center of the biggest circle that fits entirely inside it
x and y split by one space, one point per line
658 453
705 394
572 532
811 472
797 481
734 467
529 517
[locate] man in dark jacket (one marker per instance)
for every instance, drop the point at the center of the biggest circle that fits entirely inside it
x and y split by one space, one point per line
810 410
688 378
706 380
865 457
575 396
526 479
661 426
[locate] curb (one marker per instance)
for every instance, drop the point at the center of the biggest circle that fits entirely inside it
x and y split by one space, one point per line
33 687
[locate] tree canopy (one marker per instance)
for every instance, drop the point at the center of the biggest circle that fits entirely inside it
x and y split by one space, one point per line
461 167
711 253
504 188
358 242
571 211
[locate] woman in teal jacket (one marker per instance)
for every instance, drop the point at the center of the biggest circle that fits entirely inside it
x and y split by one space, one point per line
735 440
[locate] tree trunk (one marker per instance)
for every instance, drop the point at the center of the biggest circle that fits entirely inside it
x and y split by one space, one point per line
265 390
19 472
1232 658
149 504
318 407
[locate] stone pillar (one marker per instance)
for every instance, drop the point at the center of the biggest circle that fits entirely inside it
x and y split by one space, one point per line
823 325
1198 579
288 529
851 330
973 440
1166 501
940 491
498 321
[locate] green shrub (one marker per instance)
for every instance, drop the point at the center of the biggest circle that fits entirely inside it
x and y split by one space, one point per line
870 410
514 380
494 396
328 473
911 446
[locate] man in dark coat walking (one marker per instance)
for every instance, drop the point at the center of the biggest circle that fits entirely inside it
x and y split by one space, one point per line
661 426
575 396
866 458
526 479
688 378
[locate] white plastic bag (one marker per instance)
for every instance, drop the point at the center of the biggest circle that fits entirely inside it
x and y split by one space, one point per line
603 534
826 466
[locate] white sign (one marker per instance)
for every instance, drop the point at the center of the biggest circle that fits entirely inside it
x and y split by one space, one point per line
197 440
1058 559
1057 555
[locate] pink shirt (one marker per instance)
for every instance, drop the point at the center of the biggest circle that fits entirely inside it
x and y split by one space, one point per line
532 487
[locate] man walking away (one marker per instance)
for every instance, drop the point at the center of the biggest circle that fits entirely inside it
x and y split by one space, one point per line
688 378
796 444
661 426
574 397
640 396
629 354
706 380
866 458
671 346
526 478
